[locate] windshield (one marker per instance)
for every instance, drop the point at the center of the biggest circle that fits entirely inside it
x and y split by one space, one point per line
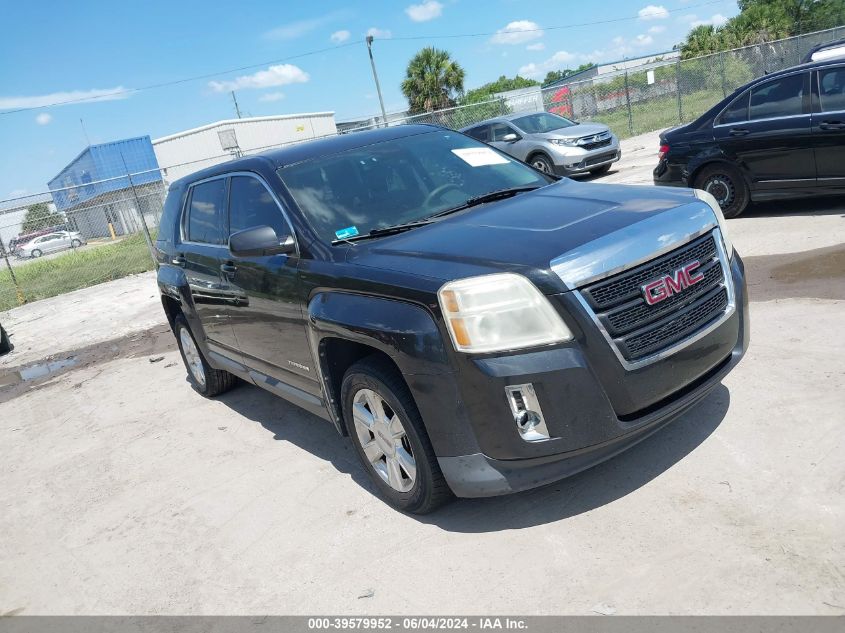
543 122
399 181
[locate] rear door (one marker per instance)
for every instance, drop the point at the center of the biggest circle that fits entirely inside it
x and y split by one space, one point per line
767 131
202 251
829 126
268 322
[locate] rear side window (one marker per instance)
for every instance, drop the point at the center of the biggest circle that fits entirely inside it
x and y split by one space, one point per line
206 213
736 112
480 133
778 98
832 89
251 205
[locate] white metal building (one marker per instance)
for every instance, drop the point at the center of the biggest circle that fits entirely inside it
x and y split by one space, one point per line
185 152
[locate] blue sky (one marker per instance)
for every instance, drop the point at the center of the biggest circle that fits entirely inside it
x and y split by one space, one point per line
81 49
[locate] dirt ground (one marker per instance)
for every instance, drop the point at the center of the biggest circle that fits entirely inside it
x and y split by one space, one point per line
124 492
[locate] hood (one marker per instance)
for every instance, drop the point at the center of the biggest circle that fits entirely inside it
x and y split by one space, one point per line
575 131
520 234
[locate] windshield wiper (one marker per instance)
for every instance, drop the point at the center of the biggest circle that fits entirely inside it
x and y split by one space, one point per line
385 230
498 194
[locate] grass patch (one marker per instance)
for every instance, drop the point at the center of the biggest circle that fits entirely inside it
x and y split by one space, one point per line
73 270
658 114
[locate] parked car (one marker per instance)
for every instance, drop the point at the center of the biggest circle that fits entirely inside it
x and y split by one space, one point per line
5 344
476 327
16 242
779 136
58 241
551 143
826 51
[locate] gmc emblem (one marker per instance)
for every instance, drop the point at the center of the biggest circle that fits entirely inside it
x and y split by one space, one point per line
673 283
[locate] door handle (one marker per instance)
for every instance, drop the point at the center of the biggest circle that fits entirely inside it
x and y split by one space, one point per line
832 125
738 131
178 260
229 268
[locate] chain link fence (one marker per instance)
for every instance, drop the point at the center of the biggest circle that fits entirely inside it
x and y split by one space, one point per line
78 236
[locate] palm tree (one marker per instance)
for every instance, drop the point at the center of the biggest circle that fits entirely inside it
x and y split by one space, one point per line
433 81
702 40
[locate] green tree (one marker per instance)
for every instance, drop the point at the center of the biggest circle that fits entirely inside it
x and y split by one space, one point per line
40 216
556 75
433 81
491 89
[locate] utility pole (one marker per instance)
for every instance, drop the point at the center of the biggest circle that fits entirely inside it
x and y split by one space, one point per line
85 132
375 77
237 109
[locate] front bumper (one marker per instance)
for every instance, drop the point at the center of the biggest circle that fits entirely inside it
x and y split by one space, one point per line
590 413
577 160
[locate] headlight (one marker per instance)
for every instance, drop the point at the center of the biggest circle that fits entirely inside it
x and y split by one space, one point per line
707 197
499 312
569 142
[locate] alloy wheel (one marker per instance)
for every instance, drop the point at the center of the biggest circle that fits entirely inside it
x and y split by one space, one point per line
192 356
382 436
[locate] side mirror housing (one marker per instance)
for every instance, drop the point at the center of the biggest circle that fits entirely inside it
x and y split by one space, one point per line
260 241
511 137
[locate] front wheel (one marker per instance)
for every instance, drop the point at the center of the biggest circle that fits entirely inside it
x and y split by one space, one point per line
541 162
36 253
390 439
75 244
727 185
205 380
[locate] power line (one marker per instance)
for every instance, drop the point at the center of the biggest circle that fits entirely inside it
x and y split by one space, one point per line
176 82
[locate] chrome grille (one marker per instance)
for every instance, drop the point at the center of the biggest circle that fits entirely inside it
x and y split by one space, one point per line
597 144
638 330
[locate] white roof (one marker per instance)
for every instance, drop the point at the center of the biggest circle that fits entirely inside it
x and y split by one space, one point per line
255 119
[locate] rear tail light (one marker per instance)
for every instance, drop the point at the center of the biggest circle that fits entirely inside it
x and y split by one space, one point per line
664 149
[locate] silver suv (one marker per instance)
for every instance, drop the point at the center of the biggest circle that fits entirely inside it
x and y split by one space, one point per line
551 143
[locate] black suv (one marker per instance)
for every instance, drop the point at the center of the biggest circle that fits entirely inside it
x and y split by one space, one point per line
476 327
780 136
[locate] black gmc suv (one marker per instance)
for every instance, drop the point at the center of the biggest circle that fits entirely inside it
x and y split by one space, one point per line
779 136
476 327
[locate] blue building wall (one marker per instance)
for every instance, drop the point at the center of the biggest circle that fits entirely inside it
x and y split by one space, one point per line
101 163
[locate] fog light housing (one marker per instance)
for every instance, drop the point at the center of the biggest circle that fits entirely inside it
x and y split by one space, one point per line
527 414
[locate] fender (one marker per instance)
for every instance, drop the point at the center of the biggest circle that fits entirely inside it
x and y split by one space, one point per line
709 157
407 334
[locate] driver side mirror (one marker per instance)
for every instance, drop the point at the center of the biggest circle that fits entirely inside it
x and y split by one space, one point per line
260 241
511 137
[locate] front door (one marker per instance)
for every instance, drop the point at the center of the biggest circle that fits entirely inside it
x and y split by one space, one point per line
829 127
201 252
769 135
513 146
268 322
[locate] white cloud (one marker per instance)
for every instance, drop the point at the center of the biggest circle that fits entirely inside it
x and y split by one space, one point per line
272 96
44 118
294 30
60 98
340 36
643 40
517 32
425 11
279 75
657 28
539 46
653 12
715 20
558 61
383 34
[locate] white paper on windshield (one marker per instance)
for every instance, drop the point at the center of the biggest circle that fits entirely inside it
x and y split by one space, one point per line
479 156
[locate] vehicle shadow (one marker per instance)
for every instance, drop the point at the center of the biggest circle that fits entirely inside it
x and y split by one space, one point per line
833 205
586 491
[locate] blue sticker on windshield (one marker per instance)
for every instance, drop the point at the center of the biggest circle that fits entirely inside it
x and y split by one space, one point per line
346 233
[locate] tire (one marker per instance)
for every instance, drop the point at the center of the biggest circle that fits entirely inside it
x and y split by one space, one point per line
5 344
205 380
374 383
35 254
601 171
542 163
727 185
75 244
